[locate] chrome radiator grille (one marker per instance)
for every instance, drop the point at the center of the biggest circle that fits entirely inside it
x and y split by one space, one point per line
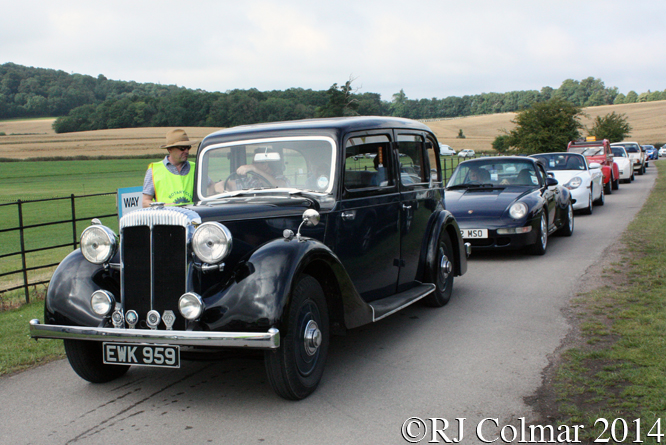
153 250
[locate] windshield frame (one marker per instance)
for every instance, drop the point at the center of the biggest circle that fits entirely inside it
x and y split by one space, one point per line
202 189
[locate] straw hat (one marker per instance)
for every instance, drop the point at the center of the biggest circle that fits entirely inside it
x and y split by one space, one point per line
177 138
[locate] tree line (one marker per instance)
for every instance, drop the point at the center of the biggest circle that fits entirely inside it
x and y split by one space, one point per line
83 102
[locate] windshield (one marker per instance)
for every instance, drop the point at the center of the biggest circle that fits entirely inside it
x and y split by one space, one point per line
494 172
631 148
302 163
587 151
619 152
560 161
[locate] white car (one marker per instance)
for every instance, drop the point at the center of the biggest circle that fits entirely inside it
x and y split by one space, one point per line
662 151
624 163
584 181
446 150
636 154
466 153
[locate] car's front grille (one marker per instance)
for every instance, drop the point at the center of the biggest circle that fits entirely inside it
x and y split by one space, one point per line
153 251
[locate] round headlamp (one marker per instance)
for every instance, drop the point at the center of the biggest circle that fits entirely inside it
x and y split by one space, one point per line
518 210
98 244
191 305
211 242
102 302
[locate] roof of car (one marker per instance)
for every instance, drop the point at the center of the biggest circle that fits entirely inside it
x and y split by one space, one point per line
337 124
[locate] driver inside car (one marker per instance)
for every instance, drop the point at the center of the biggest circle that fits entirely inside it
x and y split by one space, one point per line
265 171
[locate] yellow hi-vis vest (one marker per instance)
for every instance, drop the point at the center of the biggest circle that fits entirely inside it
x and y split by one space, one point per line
170 188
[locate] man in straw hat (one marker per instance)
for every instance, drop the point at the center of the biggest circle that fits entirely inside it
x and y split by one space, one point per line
171 181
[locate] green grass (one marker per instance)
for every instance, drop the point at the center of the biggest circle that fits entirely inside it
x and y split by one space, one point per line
34 180
17 350
619 368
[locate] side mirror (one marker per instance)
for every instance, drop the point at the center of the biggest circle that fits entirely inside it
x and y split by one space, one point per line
594 165
551 182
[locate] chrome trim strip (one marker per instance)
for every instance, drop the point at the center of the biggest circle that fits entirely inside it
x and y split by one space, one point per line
163 216
258 340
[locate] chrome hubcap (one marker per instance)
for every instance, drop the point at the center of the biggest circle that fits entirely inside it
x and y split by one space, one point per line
311 338
544 231
445 267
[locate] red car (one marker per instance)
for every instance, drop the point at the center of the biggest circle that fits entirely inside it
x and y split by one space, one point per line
601 153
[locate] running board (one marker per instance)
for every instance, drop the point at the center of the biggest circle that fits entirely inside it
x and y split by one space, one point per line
389 305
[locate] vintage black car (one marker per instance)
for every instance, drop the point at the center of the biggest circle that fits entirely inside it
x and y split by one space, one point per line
339 223
508 202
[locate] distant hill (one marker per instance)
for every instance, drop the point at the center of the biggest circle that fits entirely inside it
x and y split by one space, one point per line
35 138
83 103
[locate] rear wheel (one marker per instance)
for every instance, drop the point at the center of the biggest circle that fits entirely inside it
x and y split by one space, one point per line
295 369
615 183
85 358
539 247
442 273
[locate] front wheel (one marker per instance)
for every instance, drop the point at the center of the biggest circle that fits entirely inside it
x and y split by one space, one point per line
441 273
85 358
602 198
539 247
607 187
295 369
568 226
588 210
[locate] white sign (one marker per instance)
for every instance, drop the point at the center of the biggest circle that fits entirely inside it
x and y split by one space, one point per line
129 199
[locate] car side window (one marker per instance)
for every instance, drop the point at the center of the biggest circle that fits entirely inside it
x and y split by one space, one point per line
414 165
367 162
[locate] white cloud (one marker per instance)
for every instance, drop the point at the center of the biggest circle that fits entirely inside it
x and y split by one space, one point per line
429 48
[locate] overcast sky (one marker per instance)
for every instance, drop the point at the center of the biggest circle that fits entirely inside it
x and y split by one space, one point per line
428 48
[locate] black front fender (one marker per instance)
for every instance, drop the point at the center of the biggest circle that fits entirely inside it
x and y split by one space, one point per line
70 288
259 291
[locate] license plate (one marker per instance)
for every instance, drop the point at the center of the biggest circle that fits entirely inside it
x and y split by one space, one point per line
162 356
474 233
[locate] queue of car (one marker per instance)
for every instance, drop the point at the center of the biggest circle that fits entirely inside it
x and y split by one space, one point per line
359 226
510 202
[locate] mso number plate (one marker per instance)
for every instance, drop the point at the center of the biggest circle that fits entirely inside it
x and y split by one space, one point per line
474 233
164 356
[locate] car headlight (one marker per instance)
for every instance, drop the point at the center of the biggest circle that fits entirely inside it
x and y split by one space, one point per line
518 210
574 183
98 244
211 242
191 305
102 302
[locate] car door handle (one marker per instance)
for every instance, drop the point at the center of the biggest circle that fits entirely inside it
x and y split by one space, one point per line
406 207
348 215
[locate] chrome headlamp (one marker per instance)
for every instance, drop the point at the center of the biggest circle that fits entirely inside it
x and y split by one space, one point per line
191 305
98 244
102 302
518 210
211 242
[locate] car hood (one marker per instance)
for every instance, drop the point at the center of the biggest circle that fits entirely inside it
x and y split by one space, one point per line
483 203
252 207
564 176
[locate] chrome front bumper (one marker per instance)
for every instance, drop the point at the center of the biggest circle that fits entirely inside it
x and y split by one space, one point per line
256 340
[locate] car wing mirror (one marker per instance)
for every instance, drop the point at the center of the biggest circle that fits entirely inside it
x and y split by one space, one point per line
551 182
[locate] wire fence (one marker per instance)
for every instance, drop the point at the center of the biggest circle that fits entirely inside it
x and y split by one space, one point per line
39 235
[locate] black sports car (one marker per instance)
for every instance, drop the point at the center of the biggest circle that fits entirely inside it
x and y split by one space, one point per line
508 202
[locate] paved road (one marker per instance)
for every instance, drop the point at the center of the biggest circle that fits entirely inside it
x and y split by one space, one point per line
476 358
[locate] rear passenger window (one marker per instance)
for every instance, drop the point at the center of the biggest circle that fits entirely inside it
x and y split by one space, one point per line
414 166
367 162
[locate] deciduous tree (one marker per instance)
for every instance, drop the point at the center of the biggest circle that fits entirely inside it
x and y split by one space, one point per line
546 126
613 127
